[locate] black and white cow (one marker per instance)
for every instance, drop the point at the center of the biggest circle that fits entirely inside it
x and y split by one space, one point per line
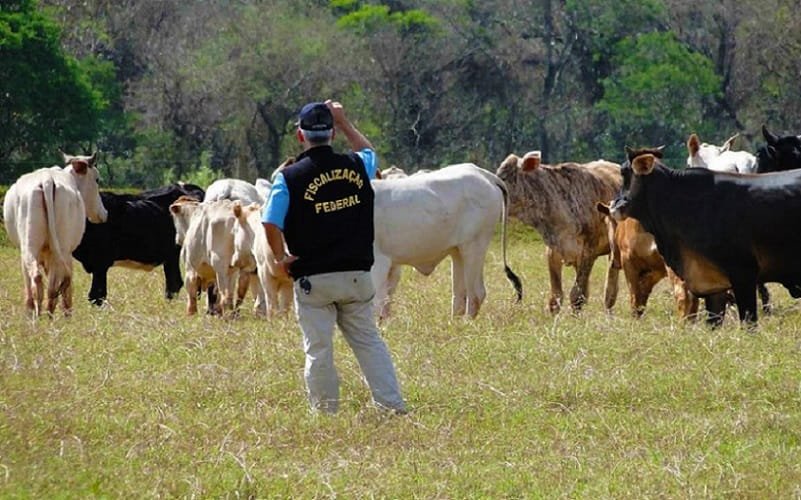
138 234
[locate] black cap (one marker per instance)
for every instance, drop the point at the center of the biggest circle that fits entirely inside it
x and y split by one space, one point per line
315 117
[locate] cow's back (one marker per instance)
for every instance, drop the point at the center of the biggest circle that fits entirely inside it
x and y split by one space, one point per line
419 218
28 214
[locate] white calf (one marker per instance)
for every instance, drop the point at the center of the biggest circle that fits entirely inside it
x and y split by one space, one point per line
206 233
250 241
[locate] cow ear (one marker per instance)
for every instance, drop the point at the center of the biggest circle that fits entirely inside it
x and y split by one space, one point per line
643 164
175 208
530 161
729 142
237 209
79 166
693 144
602 207
629 152
770 138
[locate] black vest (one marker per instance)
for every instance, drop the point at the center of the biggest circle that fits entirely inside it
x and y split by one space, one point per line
329 224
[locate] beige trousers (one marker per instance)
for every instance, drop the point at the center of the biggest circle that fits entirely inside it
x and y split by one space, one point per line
343 299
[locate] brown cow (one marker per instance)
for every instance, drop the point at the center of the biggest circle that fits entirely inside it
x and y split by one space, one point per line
559 201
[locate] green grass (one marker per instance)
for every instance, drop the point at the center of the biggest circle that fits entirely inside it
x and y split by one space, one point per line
137 400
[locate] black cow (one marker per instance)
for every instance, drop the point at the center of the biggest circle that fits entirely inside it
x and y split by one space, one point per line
139 233
718 230
780 153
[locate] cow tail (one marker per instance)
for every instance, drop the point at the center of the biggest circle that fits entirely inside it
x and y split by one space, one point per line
510 275
49 194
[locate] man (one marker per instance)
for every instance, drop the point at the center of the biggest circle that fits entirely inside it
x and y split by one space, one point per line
322 206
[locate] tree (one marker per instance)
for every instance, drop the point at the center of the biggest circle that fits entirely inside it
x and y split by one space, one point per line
47 100
657 92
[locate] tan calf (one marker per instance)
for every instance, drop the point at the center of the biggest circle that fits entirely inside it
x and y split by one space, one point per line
634 250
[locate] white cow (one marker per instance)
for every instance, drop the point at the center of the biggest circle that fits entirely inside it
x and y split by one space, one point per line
233 189
263 187
250 241
247 193
45 214
719 158
205 232
421 219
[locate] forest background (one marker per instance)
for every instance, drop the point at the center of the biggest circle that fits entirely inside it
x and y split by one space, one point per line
194 90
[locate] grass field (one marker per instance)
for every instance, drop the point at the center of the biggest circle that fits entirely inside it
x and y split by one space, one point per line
137 400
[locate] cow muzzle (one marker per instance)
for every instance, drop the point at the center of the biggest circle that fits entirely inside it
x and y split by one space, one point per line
618 208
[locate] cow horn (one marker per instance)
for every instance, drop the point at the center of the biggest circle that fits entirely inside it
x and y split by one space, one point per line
730 142
770 138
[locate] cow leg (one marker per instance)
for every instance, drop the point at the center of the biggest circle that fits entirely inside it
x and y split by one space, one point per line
98 291
54 286
380 274
270 286
580 291
261 305
393 279
212 299
226 283
66 295
458 285
646 284
746 296
611 286
716 308
34 292
764 296
633 281
172 275
555 274
473 262
192 291
242 285
285 296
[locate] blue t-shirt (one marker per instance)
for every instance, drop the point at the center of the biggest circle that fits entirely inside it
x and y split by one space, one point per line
278 202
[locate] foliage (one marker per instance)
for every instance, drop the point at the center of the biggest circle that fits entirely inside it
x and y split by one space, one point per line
203 176
371 18
658 91
431 82
47 98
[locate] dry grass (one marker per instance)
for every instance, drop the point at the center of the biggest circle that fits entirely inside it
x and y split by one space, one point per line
137 400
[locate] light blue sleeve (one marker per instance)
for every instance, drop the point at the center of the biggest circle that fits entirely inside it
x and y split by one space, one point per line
277 203
370 161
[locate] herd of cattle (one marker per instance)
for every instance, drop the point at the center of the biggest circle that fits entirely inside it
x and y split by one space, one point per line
719 230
